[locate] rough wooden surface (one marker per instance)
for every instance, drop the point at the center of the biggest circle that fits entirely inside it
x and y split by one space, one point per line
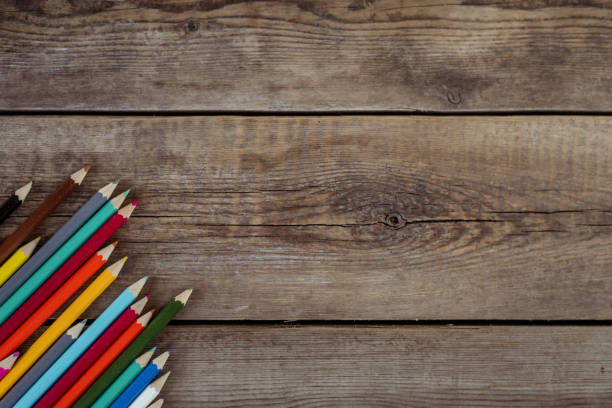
359 217
306 55
419 367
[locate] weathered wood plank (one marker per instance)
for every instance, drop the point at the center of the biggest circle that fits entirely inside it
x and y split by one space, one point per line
263 366
306 55
346 217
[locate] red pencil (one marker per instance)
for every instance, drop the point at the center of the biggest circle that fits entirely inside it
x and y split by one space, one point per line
70 266
91 355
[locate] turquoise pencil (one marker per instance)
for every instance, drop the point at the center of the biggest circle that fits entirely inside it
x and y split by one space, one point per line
58 258
80 345
62 235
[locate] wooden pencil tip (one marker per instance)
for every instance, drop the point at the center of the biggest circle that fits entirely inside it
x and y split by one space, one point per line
115 268
106 252
137 286
144 358
117 201
159 383
87 167
183 296
8 361
126 192
28 248
160 361
75 331
126 211
79 175
138 306
115 243
145 318
108 189
23 191
157 404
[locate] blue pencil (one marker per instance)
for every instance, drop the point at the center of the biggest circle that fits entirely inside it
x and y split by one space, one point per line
42 365
57 240
140 383
81 345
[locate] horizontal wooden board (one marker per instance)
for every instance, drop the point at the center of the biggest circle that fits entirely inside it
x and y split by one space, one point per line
348 217
307 367
320 55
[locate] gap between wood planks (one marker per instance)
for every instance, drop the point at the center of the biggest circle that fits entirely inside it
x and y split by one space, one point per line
330 113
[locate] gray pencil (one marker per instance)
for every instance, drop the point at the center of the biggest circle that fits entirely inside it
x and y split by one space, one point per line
43 363
57 240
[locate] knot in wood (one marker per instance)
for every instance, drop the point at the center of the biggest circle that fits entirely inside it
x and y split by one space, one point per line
395 220
192 25
454 97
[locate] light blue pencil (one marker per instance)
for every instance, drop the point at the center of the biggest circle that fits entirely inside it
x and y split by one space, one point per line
57 240
81 345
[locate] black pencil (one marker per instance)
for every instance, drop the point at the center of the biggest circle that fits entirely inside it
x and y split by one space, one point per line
14 201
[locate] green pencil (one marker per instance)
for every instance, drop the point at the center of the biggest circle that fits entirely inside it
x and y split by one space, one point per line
138 345
58 258
125 379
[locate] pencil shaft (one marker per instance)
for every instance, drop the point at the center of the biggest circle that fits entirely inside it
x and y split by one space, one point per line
137 386
37 370
21 324
12 264
10 205
118 386
88 358
61 324
65 261
51 247
153 329
38 216
97 368
76 349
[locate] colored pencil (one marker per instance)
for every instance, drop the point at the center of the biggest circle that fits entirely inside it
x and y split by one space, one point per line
18 258
62 274
56 250
7 364
157 404
85 340
17 328
11 243
124 380
14 201
42 365
85 245
153 329
142 381
72 312
90 355
150 393
97 368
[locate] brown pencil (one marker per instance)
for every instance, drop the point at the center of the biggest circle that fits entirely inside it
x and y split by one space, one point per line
47 207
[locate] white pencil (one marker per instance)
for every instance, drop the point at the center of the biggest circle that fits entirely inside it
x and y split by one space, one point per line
150 393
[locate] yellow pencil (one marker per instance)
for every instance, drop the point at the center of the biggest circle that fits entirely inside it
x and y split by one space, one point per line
63 322
12 264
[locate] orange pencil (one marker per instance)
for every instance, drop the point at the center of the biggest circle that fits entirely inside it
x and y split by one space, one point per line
14 335
97 368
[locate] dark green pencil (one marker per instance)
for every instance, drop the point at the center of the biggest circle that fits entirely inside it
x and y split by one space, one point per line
153 329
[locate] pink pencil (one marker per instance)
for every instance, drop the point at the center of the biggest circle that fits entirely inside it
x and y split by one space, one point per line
7 364
91 355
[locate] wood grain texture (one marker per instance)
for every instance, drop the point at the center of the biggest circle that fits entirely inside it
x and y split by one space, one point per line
349 217
263 366
470 55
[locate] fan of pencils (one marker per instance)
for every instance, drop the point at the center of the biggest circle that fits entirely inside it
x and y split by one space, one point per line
106 364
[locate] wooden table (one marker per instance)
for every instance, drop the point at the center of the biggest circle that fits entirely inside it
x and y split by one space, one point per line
380 203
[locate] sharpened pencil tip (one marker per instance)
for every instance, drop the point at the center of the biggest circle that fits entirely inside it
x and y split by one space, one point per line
135 203
16 354
107 190
75 331
183 296
126 192
79 175
137 286
117 201
126 211
116 181
29 248
23 192
138 306
106 252
115 243
115 268
160 360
